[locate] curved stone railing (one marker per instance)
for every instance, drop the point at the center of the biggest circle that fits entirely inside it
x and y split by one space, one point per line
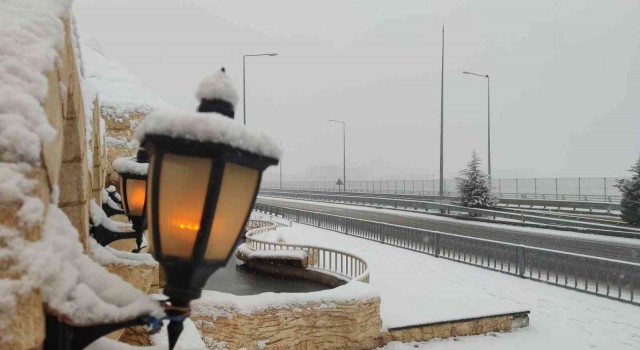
339 264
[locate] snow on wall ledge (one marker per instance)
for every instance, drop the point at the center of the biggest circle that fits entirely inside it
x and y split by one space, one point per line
31 35
207 127
121 93
217 304
75 286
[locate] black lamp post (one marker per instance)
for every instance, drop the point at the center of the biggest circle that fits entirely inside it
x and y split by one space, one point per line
133 187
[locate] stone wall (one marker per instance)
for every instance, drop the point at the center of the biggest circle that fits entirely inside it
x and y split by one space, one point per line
68 176
120 141
340 325
64 170
443 330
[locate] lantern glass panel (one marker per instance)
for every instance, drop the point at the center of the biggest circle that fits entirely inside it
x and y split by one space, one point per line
136 191
237 191
183 187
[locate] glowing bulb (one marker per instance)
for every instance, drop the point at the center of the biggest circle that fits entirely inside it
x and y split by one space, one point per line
181 225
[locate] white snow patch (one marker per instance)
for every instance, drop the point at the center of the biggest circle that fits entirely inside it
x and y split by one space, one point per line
121 93
296 254
417 288
107 255
217 86
74 285
207 127
31 36
189 339
129 165
99 217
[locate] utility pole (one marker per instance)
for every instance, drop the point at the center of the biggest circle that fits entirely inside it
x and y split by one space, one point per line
344 152
442 121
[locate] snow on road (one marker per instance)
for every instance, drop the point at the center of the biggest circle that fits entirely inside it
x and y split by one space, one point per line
418 288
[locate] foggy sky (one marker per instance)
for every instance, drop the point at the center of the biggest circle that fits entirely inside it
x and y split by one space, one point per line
565 78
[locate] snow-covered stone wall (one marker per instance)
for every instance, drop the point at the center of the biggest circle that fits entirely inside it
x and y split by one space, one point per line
52 165
124 102
347 317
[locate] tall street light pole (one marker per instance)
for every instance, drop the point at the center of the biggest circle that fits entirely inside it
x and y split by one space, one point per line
244 81
488 117
442 121
344 152
280 166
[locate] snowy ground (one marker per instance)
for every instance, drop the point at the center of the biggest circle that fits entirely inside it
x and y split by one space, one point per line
417 288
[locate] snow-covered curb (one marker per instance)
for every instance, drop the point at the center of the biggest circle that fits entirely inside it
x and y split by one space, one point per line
249 253
216 304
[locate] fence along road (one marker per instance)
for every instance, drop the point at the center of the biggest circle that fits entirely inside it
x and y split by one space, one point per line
587 225
609 278
598 189
507 202
605 247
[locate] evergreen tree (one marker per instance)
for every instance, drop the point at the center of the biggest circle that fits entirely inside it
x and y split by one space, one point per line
630 190
474 186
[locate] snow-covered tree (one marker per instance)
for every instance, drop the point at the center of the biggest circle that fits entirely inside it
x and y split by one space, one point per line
474 186
630 190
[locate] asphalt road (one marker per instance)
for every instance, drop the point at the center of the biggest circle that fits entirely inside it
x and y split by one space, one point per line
619 249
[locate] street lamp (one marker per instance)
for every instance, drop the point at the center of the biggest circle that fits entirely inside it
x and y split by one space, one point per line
488 118
244 82
344 152
133 188
204 175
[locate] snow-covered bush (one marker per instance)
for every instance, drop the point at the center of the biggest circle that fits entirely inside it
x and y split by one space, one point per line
630 190
474 186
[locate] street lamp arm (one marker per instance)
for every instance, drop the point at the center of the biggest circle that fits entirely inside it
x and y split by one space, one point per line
261 54
480 75
335 121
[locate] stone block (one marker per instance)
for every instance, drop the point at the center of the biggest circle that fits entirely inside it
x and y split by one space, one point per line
74 183
28 324
52 151
342 325
78 214
139 276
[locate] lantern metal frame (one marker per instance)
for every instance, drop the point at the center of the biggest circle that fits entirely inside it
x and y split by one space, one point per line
186 277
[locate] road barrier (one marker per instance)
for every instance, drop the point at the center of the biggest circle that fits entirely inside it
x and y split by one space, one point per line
381 201
608 278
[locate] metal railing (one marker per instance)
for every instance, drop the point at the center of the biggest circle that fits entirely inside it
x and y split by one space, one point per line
600 189
596 226
339 264
608 278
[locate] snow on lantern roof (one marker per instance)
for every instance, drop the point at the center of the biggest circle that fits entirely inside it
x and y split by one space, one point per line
207 127
121 93
217 86
129 165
